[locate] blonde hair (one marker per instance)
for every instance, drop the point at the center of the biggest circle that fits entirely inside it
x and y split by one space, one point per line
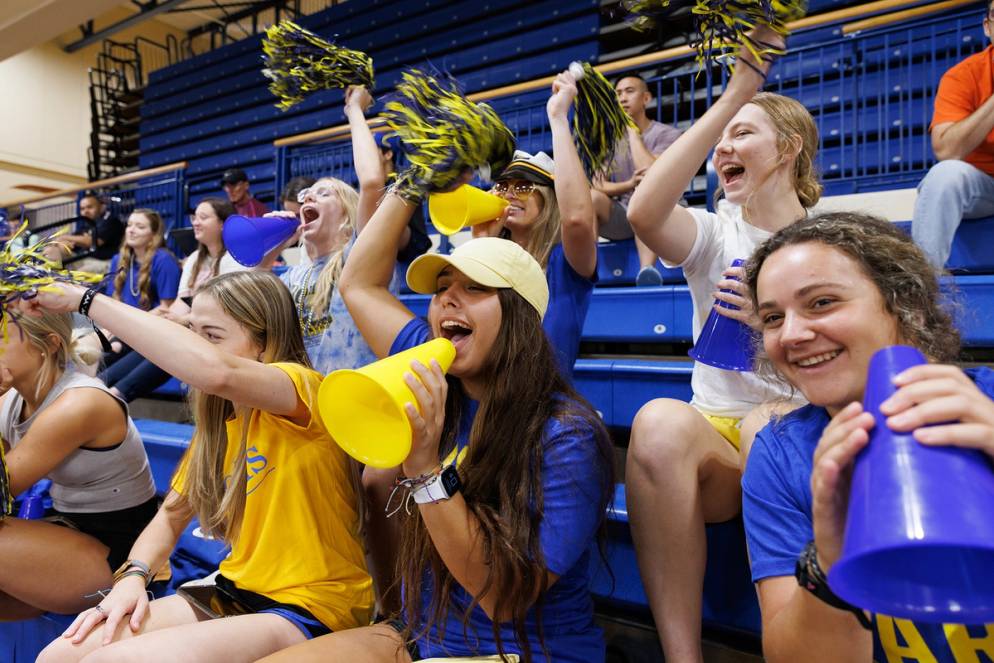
263 307
796 132
145 272
545 230
39 330
328 278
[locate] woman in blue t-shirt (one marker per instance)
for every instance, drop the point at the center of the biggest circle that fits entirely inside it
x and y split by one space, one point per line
550 214
830 291
482 565
146 275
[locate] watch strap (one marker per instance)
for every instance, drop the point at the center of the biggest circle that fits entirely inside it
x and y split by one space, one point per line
811 577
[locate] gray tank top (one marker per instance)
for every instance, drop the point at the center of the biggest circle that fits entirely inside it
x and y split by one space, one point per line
88 480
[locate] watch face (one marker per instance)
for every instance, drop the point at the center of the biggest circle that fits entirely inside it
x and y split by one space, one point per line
450 480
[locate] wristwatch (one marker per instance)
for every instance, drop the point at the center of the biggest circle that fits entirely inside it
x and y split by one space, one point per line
811 577
440 487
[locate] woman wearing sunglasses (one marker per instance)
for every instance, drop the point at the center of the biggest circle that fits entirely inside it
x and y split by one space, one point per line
332 214
550 215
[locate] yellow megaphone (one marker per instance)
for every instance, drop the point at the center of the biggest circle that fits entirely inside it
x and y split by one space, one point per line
363 409
466 206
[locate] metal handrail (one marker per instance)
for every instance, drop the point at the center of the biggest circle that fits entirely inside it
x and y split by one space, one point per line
110 181
637 61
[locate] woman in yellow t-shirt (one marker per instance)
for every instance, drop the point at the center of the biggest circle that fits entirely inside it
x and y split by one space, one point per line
261 472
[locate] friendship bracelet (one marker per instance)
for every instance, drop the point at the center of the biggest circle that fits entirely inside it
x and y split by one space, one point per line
86 301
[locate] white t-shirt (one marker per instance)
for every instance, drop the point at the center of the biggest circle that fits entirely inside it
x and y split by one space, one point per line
228 264
721 238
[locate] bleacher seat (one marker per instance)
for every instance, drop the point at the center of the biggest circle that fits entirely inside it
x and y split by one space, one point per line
729 597
165 443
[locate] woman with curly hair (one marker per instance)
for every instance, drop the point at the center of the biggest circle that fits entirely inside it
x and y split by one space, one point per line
831 291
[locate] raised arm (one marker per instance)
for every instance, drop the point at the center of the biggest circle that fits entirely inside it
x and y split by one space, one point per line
365 154
576 211
665 227
184 354
365 280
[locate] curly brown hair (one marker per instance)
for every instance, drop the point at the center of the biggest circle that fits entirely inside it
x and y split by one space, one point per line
906 280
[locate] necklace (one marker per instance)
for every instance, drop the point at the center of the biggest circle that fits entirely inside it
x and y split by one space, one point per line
300 300
132 282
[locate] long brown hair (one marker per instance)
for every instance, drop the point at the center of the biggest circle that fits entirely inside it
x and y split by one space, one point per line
545 231
262 306
223 209
127 256
502 475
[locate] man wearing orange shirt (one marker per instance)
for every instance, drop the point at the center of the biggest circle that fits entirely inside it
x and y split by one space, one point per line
961 185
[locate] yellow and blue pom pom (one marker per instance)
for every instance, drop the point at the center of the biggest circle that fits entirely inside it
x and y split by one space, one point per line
298 62
599 121
721 26
443 134
24 272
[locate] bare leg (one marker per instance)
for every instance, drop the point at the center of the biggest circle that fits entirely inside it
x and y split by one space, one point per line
602 206
162 614
646 257
370 644
382 537
49 568
754 422
680 473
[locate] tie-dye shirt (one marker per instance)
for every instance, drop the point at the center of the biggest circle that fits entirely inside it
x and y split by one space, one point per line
331 337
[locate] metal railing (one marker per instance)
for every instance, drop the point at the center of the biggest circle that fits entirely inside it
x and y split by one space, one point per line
161 189
870 91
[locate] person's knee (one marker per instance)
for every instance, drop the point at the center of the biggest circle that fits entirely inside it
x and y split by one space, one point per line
602 205
663 433
946 177
60 650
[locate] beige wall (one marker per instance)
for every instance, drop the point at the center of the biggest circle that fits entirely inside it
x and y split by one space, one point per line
45 120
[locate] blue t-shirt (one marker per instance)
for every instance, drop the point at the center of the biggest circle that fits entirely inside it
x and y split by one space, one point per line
331 337
776 505
569 300
164 279
571 485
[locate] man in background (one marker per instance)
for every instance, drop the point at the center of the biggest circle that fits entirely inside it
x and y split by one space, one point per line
611 194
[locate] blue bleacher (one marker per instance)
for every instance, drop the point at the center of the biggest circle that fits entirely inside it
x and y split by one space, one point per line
165 442
729 596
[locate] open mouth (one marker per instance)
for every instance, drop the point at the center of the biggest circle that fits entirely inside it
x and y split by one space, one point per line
732 172
455 331
309 214
818 360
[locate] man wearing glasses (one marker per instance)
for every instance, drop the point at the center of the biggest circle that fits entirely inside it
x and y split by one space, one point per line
961 185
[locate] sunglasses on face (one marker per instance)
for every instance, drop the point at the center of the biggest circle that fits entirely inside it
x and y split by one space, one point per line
319 193
520 189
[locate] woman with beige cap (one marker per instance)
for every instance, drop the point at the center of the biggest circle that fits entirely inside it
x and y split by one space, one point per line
510 470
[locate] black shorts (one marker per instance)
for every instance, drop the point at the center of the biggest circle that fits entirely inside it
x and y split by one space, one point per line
115 529
249 602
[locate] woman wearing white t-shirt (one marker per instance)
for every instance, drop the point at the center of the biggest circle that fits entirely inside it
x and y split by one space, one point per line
683 466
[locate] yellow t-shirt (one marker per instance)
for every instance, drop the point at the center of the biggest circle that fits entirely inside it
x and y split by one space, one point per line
299 539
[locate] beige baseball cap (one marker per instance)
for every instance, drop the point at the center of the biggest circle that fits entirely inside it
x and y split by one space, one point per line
490 261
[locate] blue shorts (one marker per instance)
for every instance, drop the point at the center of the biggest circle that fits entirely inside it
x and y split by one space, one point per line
251 602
